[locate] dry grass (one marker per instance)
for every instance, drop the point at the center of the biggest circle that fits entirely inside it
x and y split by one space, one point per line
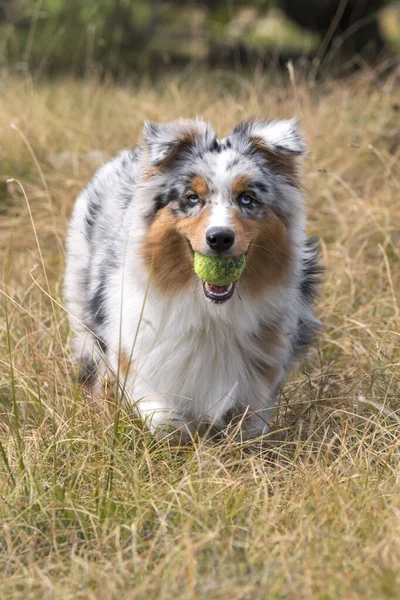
95 511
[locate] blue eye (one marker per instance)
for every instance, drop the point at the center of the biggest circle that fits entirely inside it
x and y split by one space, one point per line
245 200
193 199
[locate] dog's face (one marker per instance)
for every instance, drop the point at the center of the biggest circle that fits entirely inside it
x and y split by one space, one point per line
224 197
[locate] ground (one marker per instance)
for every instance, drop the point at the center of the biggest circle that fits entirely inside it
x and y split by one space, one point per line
97 510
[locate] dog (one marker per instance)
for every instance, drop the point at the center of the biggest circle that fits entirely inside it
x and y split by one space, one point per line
185 352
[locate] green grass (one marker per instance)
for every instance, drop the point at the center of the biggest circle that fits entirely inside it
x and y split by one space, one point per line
93 509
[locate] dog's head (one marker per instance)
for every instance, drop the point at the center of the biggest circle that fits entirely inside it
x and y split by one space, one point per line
239 195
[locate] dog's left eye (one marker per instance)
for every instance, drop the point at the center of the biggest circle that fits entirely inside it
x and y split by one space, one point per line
246 200
193 198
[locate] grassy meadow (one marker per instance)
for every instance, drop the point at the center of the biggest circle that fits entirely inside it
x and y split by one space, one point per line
97 510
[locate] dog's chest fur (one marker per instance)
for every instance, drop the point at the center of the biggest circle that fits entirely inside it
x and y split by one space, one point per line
207 360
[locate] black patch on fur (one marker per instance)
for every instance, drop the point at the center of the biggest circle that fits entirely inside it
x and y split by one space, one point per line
101 344
160 201
92 209
96 309
172 195
88 366
261 186
87 371
311 277
215 146
228 143
306 334
96 305
285 150
311 270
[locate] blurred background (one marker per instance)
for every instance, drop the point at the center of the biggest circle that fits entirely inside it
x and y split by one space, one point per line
126 37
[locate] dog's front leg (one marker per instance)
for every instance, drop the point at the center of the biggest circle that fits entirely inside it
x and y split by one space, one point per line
256 422
165 420
260 409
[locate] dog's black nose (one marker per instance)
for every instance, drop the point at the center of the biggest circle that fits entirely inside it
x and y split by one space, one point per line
220 238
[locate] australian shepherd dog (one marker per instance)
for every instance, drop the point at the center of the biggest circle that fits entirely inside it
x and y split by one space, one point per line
187 353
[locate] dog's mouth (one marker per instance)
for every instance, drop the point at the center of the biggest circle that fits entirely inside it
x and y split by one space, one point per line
215 293
218 293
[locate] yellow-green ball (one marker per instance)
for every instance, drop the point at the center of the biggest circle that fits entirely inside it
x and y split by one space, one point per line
219 270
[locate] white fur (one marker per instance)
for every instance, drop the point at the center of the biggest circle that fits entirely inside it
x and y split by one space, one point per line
220 216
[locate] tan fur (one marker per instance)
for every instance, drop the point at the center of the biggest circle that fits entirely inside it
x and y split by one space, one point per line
283 164
150 172
186 139
199 185
240 184
194 229
125 364
167 253
267 245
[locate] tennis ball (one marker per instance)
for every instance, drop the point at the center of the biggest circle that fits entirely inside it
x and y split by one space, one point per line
219 270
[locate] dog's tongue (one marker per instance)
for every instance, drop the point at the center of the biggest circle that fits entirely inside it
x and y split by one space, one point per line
218 290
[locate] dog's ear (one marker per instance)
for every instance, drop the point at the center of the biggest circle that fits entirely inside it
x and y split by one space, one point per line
280 143
279 137
165 142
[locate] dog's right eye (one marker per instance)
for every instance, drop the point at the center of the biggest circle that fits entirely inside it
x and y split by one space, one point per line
246 200
193 198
